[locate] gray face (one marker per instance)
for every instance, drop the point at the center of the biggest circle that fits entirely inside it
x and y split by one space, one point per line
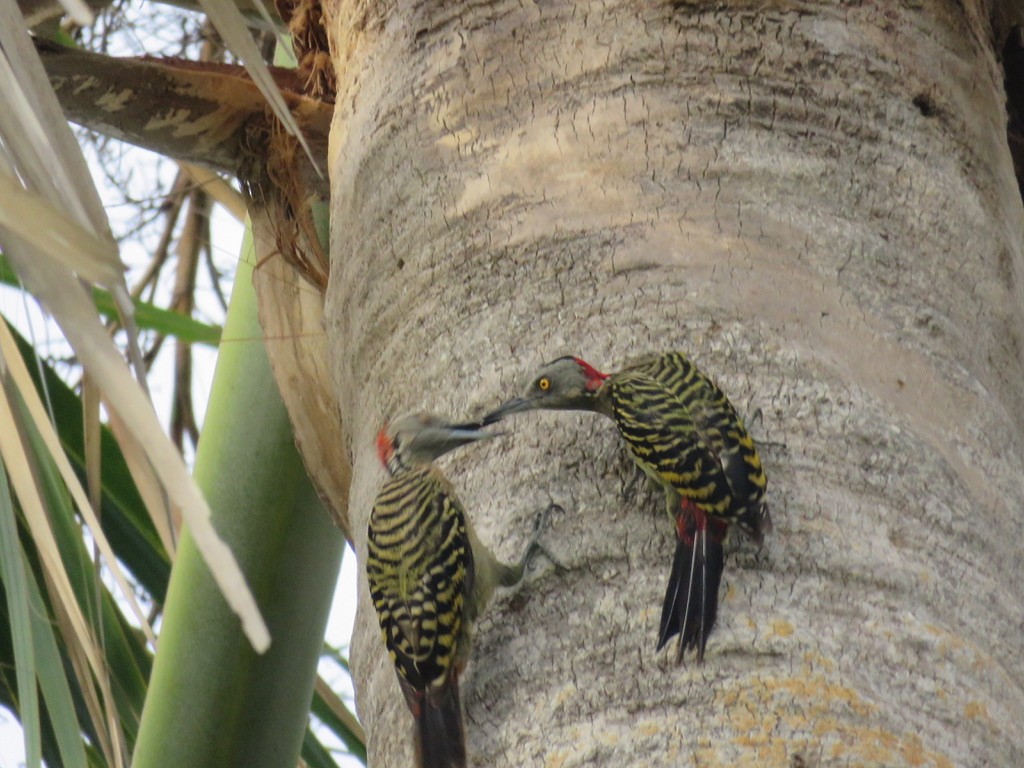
560 385
419 438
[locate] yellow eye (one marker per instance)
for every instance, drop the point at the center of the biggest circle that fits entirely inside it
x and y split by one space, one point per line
544 384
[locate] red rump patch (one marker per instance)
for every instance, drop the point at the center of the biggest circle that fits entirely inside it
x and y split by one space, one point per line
416 700
384 447
692 520
594 377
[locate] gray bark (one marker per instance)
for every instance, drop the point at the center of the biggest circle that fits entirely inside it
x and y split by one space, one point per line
817 204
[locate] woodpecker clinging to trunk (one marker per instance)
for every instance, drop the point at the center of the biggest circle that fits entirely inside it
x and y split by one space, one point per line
429 577
683 432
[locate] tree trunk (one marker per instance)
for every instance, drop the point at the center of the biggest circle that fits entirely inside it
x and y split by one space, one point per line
816 203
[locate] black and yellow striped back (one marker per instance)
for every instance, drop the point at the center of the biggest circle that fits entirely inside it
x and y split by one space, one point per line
420 569
665 441
720 427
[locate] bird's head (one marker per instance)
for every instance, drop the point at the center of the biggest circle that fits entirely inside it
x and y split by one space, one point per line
565 384
419 438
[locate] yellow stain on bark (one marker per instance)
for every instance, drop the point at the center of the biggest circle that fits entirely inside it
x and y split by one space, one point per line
879 747
566 693
948 643
782 628
814 660
821 692
775 718
650 728
952 645
976 710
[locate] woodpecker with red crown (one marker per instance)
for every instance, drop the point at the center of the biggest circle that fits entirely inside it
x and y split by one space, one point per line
683 432
429 577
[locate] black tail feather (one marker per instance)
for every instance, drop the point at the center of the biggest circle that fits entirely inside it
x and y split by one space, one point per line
691 600
440 735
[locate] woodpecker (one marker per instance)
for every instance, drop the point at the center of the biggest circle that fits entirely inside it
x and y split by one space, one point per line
683 432
429 577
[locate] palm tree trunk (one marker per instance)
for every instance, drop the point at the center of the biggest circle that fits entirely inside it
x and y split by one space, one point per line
817 203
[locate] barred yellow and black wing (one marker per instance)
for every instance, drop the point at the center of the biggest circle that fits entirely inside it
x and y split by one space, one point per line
665 441
420 569
722 431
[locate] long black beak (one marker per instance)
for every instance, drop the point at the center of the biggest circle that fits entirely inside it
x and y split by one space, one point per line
470 427
509 407
454 435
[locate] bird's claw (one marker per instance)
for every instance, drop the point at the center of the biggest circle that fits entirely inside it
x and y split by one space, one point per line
630 486
753 418
758 416
559 567
540 524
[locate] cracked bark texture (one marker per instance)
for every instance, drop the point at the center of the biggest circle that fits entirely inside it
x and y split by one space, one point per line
816 202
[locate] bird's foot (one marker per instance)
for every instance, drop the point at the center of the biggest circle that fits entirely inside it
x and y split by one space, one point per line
758 416
534 547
